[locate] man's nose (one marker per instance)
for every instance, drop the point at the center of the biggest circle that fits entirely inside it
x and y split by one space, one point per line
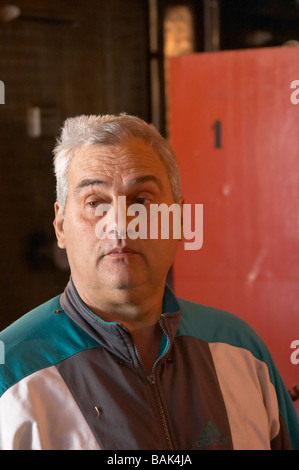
118 222
118 226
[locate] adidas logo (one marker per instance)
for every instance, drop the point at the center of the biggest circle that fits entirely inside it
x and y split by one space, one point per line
211 436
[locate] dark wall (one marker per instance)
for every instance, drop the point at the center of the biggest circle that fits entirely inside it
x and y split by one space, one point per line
67 58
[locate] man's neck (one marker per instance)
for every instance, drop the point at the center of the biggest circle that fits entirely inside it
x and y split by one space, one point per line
138 313
135 309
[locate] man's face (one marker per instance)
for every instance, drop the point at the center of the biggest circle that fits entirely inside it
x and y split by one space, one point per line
100 174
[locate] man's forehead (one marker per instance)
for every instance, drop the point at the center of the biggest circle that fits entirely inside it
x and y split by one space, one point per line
134 161
133 147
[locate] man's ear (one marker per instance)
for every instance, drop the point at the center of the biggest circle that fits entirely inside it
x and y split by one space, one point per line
58 225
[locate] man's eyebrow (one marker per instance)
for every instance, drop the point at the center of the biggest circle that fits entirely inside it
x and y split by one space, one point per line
133 182
144 179
90 182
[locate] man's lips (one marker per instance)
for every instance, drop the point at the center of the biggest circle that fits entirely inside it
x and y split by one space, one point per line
118 252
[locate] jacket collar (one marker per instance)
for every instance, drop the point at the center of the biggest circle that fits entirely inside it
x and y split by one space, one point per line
112 335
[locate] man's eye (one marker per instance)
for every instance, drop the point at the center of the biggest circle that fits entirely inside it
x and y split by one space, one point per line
94 204
142 200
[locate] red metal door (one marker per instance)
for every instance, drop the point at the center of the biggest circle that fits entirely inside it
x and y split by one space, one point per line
234 124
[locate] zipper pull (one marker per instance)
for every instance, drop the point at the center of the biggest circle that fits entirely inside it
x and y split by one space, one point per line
151 379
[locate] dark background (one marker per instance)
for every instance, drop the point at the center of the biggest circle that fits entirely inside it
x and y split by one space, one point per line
86 57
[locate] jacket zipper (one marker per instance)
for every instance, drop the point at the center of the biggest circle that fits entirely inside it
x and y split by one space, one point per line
152 381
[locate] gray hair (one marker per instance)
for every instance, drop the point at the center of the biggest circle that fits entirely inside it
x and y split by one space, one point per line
84 131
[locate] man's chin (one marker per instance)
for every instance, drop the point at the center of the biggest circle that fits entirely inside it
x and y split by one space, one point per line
125 285
122 280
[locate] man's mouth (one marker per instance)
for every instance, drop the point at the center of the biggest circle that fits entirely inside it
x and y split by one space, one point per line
121 252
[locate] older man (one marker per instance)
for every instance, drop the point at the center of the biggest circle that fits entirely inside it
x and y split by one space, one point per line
117 361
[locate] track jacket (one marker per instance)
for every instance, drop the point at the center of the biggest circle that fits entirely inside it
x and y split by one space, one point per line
72 381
